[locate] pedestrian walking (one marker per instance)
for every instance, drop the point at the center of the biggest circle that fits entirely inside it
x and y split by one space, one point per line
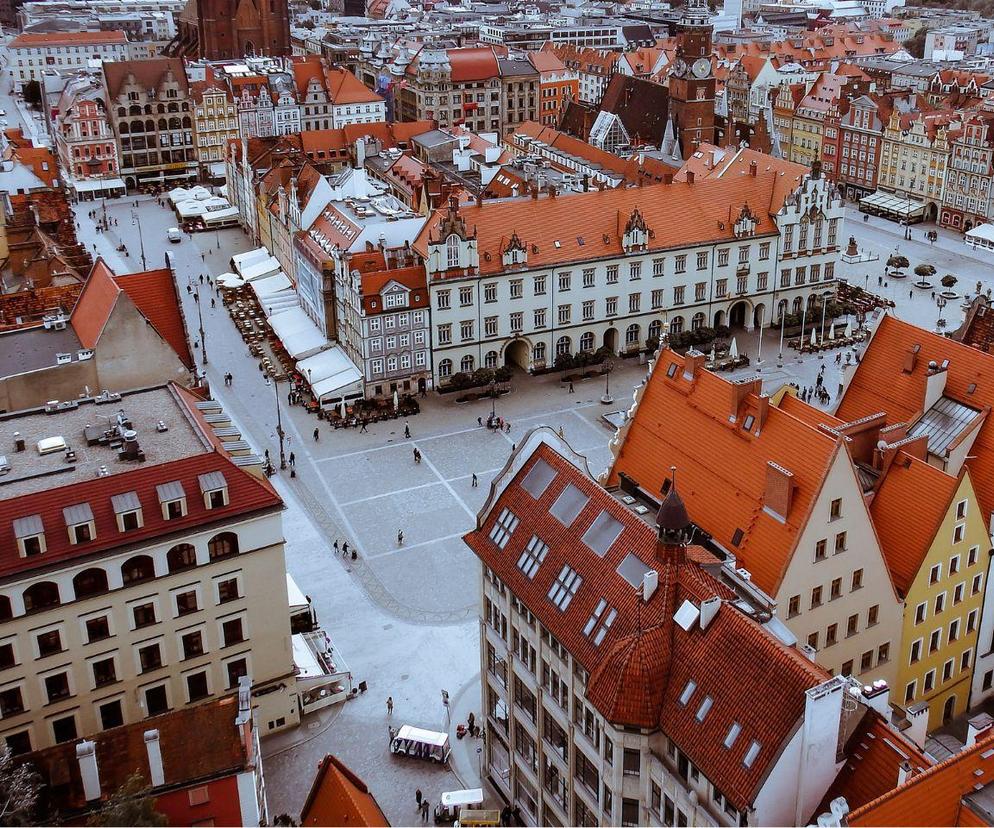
389 705
335 546
407 431
911 294
507 428
571 391
317 434
362 427
418 796
479 421
345 549
213 303
476 483
400 537
202 258
424 812
189 289
562 436
293 460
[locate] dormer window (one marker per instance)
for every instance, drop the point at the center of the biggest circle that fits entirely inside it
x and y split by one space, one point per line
172 500
127 511
214 488
395 300
80 524
30 534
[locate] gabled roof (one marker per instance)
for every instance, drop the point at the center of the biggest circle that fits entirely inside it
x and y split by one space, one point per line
346 88
148 74
95 305
339 797
36 39
722 468
939 795
645 660
154 294
880 384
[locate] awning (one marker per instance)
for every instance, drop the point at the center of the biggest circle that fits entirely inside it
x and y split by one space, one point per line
230 280
299 335
891 204
215 216
218 169
251 257
331 374
270 285
983 232
94 185
295 596
260 270
198 206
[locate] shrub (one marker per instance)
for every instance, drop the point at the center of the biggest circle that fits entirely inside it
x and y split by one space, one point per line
948 281
924 271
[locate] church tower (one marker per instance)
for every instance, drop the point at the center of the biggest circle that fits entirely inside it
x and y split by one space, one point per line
692 82
232 29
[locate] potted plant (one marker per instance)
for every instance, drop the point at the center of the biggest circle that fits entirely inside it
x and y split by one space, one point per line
948 282
924 272
895 264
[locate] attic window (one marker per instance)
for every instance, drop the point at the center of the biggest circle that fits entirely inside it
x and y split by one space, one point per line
557 243
737 537
568 505
538 479
971 388
688 691
214 488
602 534
172 500
30 534
565 587
704 709
127 511
579 240
671 371
751 754
733 734
748 422
533 556
503 528
79 522
600 622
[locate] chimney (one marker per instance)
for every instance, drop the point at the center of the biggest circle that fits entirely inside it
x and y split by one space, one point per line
763 410
740 389
534 189
693 363
752 168
935 383
649 583
690 176
977 727
709 609
18 441
667 178
779 490
86 755
917 715
877 696
903 772
479 199
156 772
360 153
911 359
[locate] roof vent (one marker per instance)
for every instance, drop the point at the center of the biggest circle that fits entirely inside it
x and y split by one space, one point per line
50 445
687 615
4 465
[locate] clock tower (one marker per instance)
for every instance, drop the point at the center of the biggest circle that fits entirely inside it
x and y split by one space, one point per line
692 82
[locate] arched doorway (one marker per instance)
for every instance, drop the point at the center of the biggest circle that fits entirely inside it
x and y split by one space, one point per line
739 316
948 709
759 315
516 354
611 340
719 319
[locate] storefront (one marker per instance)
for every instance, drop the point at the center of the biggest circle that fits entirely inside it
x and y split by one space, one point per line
893 206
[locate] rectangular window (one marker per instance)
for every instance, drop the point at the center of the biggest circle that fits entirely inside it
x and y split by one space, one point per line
721 288
57 687
192 644
794 606
517 288
232 632
723 257
836 591
935 641
634 302
465 297
539 317
565 586
831 635
929 684
149 657
840 542
564 313
196 686
700 291
539 285
872 615
227 590
852 625
588 310
702 260
857 580
658 267
678 295
681 263
634 271
49 643
565 281
820 550
144 615
816 597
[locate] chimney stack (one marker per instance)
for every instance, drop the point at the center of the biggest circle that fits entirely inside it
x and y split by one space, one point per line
903 772
693 363
156 772
86 755
977 727
752 168
649 583
779 489
690 176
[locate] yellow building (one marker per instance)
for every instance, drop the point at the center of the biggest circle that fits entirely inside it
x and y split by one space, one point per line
933 534
913 157
215 122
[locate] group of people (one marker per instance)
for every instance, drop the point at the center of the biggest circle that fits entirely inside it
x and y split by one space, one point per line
495 423
345 553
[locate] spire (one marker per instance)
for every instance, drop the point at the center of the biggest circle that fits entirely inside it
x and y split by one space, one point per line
672 521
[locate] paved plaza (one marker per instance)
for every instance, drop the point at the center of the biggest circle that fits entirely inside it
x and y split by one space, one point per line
404 616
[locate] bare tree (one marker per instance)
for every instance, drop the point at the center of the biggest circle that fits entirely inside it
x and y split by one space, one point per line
19 786
131 804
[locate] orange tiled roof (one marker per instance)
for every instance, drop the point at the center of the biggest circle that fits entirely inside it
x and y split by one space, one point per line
154 294
880 384
95 305
722 469
546 61
346 88
936 796
35 39
339 797
645 660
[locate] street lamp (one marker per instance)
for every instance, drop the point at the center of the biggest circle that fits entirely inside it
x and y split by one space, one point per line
607 399
137 219
940 323
279 422
493 400
203 339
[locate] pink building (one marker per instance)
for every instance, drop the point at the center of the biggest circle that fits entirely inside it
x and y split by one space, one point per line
85 142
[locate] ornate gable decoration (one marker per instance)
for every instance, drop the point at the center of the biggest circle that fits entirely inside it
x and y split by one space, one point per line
745 224
515 252
637 233
452 223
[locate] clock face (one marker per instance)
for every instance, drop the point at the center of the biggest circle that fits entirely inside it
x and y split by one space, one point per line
702 67
680 68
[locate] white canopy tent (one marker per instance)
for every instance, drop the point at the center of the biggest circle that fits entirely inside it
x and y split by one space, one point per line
981 236
217 216
332 376
201 207
270 285
299 335
277 302
260 270
251 257
230 280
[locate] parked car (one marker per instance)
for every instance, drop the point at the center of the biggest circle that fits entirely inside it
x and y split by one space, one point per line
174 235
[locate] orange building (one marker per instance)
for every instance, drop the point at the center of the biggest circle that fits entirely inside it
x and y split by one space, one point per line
557 86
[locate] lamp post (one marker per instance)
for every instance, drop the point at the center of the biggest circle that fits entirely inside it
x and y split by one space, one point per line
493 400
783 324
279 422
203 339
940 323
136 219
607 399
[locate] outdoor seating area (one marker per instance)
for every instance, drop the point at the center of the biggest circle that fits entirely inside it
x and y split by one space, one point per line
365 412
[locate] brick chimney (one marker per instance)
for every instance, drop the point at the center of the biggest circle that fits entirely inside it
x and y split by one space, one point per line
690 176
752 168
693 363
910 359
156 773
740 389
779 489
86 755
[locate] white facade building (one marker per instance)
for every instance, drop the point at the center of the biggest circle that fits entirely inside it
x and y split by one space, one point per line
32 54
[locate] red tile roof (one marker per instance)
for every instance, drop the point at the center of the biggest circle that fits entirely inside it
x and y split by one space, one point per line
936 796
339 797
154 294
36 39
375 276
874 754
722 468
121 751
645 660
95 305
473 63
346 88
880 384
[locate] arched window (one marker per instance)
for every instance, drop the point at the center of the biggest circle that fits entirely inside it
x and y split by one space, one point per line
137 569
587 342
186 122
452 251
121 112
445 368
135 110
538 352
173 107
174 123
564 345
89 582
163 124
41 596
180 557
655 329
124 128
161 108
148 109
676 324
6 612
697 322
798 304
782 306
632 335
223 546
149 125
468 364
490 360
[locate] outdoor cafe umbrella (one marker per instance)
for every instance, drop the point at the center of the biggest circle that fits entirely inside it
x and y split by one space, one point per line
814 337
713 354
848 331
733 350
396 402
831 331
344 411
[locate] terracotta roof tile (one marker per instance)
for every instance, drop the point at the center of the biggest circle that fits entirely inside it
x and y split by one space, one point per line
154 294
35 39
95 305
339 797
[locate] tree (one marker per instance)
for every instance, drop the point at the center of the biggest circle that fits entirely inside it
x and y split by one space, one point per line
32 93
924 271
948 281
915 45
898 262
131 804
19 786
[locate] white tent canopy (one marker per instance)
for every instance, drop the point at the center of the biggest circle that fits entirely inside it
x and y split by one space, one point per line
230 280
980 236
251 257
260 270
213 216
201 207
270 285
331 374
299 335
